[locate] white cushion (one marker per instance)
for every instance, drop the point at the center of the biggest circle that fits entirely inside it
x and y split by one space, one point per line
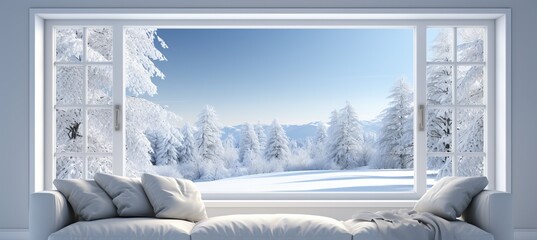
270 226
126 229
88 200
174 198
127 194
450 196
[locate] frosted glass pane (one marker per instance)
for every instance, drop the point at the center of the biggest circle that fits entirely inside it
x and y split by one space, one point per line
470 44
439 85
470 137
439 130
99 44
100 130
69 130
69 44
69 85
100 85
471 166
437 168
439 44
470 85
99 164
69 167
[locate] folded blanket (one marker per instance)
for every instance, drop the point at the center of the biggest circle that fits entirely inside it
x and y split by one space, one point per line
407 224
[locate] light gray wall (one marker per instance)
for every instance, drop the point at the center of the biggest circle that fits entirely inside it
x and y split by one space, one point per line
14 83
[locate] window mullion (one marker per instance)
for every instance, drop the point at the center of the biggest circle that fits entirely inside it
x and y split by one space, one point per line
85 174
420 96
454 147
118 89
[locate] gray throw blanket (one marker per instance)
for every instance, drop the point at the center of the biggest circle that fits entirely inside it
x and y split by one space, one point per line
407 224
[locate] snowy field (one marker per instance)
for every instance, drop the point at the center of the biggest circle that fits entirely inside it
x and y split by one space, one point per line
364 180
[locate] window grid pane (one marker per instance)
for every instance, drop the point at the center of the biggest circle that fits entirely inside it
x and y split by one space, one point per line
467 101
80 129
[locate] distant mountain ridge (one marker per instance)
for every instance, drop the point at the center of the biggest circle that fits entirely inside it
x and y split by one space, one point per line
300 133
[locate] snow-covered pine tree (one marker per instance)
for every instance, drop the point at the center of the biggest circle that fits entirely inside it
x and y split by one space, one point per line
209 144
345 139
317 145
277 151
395 144
231 156
188 151
140 55
188 158
261 136
144 117
249 144
166 146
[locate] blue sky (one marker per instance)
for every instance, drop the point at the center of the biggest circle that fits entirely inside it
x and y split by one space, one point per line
294 75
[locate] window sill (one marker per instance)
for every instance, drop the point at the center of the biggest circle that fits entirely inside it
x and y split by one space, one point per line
310 203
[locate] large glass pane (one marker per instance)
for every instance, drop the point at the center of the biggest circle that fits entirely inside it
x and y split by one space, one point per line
69 44
99 44
470 85
439 130
69 85
439 44
99 164
99 85
69 167
100 130
439 84
69 130
470 127
471 166
350 131
470 44
437 168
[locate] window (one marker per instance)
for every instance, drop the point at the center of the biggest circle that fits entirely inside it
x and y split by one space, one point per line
104 119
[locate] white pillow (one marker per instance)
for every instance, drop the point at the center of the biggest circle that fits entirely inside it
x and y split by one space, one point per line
174 198
450 196
88 200
127 194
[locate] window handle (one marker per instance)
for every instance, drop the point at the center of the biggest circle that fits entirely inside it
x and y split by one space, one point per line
117 117
421 118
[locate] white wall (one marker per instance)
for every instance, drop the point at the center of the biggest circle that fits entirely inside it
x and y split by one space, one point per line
14 89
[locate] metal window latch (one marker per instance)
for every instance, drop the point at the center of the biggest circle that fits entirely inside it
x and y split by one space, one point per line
421 117
117 117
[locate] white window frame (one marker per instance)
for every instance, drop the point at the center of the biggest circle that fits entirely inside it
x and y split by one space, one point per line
497 58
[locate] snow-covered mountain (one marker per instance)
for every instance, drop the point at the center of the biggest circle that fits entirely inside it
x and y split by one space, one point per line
300 133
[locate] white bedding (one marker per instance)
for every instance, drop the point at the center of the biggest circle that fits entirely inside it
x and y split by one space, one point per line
410 225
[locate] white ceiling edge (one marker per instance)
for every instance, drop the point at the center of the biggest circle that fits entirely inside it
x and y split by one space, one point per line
269 13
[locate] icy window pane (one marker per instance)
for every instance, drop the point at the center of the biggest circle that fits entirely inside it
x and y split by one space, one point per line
439 84
99 44
439 130
470 44
69 44
470 136
69 85
437 168
99 164
440 44
68 167
471 166
100 130
470 85
100 85
69 130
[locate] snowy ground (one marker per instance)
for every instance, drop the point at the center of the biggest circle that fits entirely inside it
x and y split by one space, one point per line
364 180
